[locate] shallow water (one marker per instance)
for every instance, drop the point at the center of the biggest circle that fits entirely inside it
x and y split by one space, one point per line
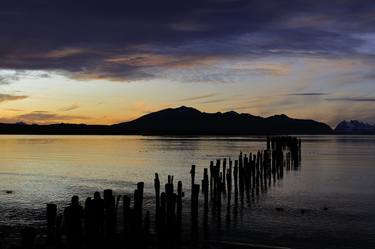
337 173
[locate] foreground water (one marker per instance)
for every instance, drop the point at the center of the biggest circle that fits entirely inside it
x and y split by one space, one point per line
335 185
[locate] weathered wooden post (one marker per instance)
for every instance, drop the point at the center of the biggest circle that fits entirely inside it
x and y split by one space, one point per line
257 173
157 191
51 223
205 184
224 175
229 183
140 187
253 174
219 190
192 173
171 203
299 150
109 206
261 170
241 177
246 176
157 200
265 168
58 228
138 206
89 219
179 204
211 178
235 176
162 212
217 181
194 203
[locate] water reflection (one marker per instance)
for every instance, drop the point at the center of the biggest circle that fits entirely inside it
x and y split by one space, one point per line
335 186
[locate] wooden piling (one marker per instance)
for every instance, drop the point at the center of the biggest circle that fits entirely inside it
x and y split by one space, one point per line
157 191
51 223
223 187
241 177
251 175
229 183
211 178
179 204
110 216
194 203
205 184
192 174
235 178
138 206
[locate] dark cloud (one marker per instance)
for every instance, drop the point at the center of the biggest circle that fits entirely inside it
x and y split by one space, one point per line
308 94
8 97
85 38
71 107
47 117
199 97
211 101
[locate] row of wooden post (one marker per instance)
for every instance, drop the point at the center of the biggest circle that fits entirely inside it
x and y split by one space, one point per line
245 177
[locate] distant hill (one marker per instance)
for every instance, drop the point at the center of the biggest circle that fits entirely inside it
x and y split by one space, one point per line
355 127
58 129
187 120
183 121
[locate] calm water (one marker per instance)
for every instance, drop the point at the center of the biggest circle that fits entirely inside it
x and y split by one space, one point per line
337 172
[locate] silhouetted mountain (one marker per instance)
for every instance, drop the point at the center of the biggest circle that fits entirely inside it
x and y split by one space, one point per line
355 127
187 120
183 120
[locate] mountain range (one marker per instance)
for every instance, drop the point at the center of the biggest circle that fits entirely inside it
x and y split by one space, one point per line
187 120
183 121
355 127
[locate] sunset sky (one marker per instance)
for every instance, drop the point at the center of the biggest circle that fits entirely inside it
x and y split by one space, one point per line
104 62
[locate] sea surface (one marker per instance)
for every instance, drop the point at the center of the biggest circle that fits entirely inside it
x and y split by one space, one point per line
328 203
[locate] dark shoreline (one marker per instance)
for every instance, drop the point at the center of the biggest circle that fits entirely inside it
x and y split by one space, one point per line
172 134
103 130
181 121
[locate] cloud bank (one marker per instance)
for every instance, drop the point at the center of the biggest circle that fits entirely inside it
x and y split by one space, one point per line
139 40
